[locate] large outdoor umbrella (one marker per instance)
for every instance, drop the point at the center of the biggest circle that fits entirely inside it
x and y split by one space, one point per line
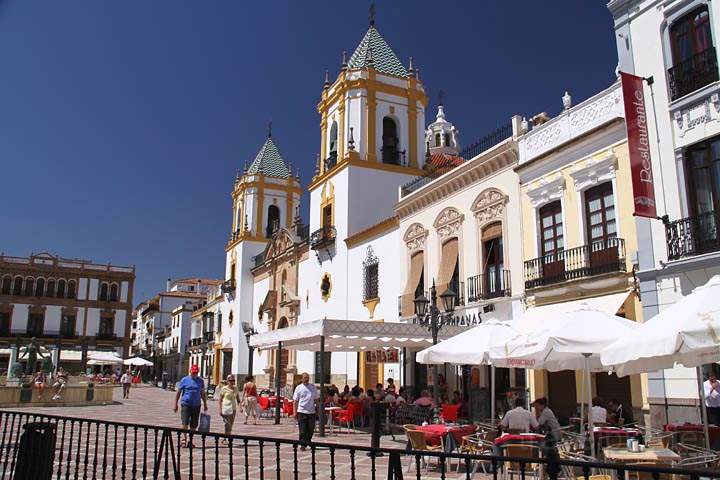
568 341
687 333
137 362
103 358
471 347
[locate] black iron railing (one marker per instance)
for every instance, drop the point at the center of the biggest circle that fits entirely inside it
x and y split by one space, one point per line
417 183
487 286
693 73
106 336
331 161
693 235
392 155
323 237
71 448
228 286
209 336
490 140
605 256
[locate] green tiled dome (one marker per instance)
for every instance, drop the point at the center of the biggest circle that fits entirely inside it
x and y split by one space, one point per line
269 162
384 59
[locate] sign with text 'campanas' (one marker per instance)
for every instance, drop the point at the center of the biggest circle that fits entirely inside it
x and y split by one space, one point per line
638 145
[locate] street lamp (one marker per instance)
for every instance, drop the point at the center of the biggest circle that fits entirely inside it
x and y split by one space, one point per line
249 332
429 316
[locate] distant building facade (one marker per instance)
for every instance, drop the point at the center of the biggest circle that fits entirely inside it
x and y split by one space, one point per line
75 304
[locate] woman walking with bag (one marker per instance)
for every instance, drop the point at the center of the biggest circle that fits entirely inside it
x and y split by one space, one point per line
250 402
229 398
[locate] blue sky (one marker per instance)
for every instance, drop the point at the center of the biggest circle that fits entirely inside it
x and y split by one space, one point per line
122 123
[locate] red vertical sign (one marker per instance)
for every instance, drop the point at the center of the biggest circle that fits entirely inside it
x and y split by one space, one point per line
638 145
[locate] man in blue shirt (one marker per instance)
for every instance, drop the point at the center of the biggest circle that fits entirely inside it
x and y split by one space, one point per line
192 390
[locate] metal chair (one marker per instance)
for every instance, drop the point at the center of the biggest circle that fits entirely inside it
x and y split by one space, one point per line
477 445
576 473
418 443
530 452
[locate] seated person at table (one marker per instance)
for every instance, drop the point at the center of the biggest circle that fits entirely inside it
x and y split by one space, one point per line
618 415
402 396
598 413
424 400
519 419
391 386
379 395
547 420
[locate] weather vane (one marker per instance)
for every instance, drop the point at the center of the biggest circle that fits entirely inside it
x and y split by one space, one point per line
441 95
270 129
372 13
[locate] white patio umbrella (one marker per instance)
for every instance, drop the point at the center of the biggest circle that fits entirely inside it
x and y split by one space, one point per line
687 333
137 362
569 341
471 347
103 358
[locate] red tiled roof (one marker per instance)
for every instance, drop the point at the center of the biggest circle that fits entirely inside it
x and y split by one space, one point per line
445 160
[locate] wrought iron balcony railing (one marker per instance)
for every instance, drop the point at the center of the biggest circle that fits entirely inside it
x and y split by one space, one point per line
693 73
106 336
331 161
605 256
392 155
692 236
228 286
487 286
209 336
323 237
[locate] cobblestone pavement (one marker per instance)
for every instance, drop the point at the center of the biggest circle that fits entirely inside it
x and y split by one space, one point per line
94 450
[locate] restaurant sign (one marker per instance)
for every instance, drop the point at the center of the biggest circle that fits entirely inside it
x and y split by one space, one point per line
638 145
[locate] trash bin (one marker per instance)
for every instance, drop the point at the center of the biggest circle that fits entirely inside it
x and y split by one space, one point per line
90 392
36 452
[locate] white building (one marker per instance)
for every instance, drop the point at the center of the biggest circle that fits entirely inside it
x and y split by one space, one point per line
673 43
77 304
161 329
457 232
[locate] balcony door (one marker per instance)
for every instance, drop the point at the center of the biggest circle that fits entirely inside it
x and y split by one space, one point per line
601 227
493 258
703 163
552 241
35 325
107 326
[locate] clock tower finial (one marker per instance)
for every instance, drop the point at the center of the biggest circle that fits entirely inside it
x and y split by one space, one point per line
372 14
270 129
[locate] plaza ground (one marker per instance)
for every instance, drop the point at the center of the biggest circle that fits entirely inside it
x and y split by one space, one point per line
129 452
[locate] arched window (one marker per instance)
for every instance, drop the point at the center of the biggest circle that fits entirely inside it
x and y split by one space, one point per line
333 140
103 292
447 140
61 289
17 286
50 292
6 285
437 139
114 292
40 287
71 289
29 286
390 142
273 220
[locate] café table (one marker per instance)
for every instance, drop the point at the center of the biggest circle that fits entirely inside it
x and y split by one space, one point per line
713 430
518 438
329 414
659 455
449 435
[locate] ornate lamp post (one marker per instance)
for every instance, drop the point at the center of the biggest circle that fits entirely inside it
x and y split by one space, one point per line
249 332
429 316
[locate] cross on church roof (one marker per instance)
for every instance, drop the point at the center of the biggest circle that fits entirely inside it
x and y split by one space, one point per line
441 96
372 13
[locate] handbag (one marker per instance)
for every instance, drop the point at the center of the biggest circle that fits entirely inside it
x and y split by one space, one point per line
204 426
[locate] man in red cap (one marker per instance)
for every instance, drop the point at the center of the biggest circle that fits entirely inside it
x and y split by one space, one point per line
191 389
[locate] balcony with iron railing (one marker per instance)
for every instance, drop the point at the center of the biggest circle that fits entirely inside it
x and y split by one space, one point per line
331 161
209 336
692 236
692 74
392 156
228 286
488 286
490 140
597 258
323 237
106 336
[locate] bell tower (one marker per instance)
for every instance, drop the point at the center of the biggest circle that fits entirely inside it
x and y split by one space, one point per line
374 111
